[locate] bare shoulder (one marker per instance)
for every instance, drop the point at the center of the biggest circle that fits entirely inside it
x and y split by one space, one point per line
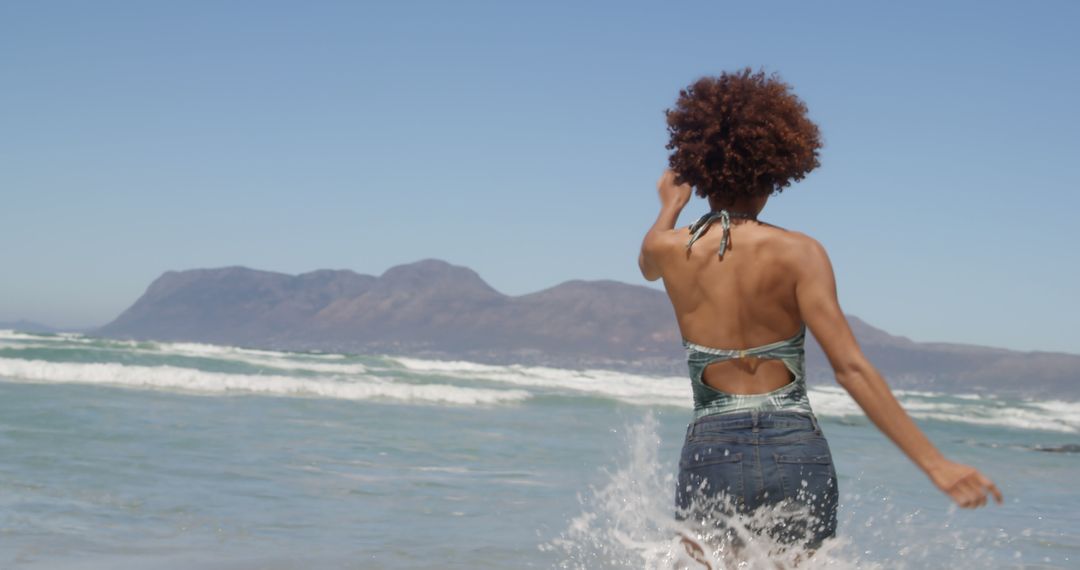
663 243
806 245
657 250
798 250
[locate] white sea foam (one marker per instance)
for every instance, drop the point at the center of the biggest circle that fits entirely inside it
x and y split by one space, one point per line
221 350
16 335
279 360
1056 416
628 522
198 381
826 400
630 388
1069 409
636 389
313 362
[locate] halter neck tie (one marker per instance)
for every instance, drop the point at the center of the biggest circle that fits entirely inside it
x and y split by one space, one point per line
698 228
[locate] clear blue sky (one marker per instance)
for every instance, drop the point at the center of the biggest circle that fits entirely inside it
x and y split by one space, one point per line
524 141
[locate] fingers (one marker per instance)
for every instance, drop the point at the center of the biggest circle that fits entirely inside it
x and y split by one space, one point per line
978 491
971 492
982 485
962 493
987 483
967 495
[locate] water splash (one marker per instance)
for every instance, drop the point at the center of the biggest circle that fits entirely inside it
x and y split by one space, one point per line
630 522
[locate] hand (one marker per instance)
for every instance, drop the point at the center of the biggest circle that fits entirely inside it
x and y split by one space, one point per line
671 193
964 484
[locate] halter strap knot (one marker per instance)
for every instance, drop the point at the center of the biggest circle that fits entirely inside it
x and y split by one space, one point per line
698 228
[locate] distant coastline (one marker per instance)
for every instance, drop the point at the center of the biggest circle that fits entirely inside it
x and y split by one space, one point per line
434 309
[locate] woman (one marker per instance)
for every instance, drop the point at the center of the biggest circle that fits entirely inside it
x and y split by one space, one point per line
744 292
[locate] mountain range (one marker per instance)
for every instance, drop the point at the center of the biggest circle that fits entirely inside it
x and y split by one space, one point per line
434 309
28 326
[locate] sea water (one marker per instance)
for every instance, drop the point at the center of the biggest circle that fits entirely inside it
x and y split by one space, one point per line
123 454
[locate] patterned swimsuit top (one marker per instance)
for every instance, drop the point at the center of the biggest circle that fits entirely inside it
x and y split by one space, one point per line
708 400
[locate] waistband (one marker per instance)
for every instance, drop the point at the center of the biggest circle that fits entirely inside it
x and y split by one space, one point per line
753 419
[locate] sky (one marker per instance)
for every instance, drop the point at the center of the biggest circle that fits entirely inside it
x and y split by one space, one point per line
524 141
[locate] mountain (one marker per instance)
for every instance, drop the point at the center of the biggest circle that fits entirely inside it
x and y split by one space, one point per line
232 305
23 325
427 308
433 309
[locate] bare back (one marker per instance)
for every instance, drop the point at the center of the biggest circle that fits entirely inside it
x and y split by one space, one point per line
743 300
770 282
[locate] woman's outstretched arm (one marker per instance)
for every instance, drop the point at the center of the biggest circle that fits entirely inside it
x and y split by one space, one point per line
815 293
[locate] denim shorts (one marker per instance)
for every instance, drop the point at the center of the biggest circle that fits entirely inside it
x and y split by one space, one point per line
772 467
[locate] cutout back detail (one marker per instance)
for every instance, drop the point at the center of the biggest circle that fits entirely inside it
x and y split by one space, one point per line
791 351
709 400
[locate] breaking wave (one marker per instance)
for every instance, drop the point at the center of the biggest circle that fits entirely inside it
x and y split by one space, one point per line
131 363
199 381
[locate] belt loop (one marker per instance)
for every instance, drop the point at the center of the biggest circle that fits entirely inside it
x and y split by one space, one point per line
814 421
755 420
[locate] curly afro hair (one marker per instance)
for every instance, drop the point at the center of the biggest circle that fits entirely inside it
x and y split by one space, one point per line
742 134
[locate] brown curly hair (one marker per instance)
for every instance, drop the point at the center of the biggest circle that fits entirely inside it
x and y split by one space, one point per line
741 134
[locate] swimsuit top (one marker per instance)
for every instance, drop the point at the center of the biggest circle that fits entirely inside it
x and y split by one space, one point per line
708 400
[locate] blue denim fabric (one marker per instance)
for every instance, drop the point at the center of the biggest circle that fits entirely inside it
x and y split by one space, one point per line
742 461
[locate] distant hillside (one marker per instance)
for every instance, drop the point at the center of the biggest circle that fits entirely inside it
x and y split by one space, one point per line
24 325
433 309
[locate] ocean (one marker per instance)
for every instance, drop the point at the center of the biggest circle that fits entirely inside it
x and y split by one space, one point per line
125 455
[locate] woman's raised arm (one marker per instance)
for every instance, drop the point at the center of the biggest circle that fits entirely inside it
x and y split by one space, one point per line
815 293
673 198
